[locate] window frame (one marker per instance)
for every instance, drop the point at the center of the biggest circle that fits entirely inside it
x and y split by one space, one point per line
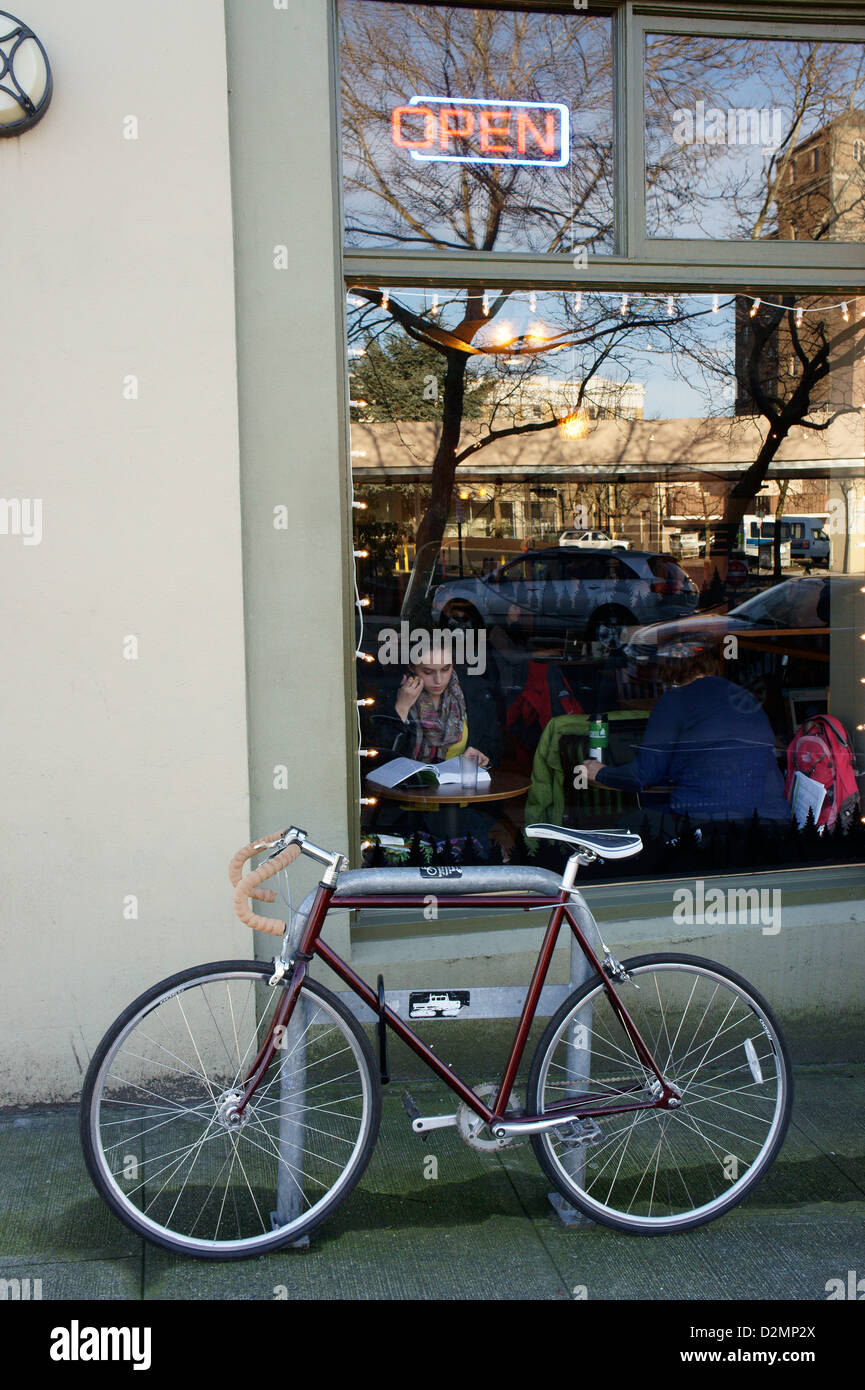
647 263
639 263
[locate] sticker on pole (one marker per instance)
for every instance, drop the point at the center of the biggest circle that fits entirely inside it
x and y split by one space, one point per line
445 1003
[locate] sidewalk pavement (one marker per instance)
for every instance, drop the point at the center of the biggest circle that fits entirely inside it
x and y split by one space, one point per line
483 1228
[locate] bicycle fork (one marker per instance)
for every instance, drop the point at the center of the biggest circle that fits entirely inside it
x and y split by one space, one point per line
297 970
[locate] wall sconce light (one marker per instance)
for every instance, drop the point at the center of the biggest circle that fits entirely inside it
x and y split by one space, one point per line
26 84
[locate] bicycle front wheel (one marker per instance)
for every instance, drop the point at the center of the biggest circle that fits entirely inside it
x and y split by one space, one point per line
716 1040
155 1113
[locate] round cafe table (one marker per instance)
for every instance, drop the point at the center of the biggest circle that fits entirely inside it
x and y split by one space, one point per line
502 786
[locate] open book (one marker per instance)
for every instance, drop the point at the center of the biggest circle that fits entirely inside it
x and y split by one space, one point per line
450 773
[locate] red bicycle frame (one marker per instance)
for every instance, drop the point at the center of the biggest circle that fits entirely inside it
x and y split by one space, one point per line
311 945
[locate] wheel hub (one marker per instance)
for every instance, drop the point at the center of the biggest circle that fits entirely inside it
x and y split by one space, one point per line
226 1110
672 1101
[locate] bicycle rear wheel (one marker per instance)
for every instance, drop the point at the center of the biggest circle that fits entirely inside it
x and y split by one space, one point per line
715 1038
155 1131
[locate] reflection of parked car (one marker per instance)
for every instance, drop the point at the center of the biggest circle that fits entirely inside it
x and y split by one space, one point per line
570 591
687 544
785 626
593 540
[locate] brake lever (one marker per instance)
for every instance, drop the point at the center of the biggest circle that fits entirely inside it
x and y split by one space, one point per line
291 836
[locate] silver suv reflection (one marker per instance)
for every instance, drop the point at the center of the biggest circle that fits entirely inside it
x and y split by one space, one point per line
570 591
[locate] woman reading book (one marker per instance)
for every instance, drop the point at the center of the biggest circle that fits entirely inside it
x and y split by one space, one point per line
433 721
431 705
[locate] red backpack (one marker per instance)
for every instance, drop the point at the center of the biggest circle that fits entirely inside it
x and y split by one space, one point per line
821 749
545 695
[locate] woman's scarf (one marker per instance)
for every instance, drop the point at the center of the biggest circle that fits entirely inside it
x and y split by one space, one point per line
437 730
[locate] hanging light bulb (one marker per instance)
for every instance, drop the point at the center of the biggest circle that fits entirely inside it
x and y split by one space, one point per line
623 307
385 299
369 801
533 302
486 305
573 425
578 301
754 307
845 312
799 316
671 308
365 702
367 752
361 506
714 304
361 554
435 304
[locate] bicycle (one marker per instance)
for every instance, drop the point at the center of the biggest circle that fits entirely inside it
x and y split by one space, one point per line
232 1107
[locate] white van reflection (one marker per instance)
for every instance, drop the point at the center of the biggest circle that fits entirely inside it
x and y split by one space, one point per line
437 1006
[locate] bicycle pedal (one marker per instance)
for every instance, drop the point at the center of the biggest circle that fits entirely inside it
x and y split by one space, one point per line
409 1106
581 1132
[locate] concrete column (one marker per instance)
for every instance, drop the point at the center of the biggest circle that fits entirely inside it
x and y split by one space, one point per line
293 393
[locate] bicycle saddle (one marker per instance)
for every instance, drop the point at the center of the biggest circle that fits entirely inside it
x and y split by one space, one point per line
606 844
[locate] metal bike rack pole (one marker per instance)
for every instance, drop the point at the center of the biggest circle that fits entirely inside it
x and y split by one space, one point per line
292 1082
577 1074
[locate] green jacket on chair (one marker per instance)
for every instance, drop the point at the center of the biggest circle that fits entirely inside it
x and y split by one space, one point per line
546 798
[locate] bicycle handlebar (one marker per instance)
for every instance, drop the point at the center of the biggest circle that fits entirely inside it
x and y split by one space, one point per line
245 885
291 844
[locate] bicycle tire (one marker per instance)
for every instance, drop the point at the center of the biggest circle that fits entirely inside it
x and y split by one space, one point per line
118 1114
752 1044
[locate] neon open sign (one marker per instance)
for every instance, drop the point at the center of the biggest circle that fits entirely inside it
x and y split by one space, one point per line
474 131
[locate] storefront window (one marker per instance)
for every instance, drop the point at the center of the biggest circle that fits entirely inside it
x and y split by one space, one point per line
476 129
603 522
754 138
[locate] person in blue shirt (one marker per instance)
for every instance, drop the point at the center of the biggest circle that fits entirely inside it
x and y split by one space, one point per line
710 744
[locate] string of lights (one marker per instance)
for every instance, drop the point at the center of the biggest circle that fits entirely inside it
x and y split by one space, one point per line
361 603
531 296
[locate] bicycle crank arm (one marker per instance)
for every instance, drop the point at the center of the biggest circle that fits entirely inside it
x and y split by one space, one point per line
421 1124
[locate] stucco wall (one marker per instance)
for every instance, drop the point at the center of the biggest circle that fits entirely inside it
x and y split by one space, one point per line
122 778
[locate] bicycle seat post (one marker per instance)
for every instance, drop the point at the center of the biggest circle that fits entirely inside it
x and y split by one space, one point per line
569 877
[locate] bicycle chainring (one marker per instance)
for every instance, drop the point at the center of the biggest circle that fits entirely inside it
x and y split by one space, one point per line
472 1129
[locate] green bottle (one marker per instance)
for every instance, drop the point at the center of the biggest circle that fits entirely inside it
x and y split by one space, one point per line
599 737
